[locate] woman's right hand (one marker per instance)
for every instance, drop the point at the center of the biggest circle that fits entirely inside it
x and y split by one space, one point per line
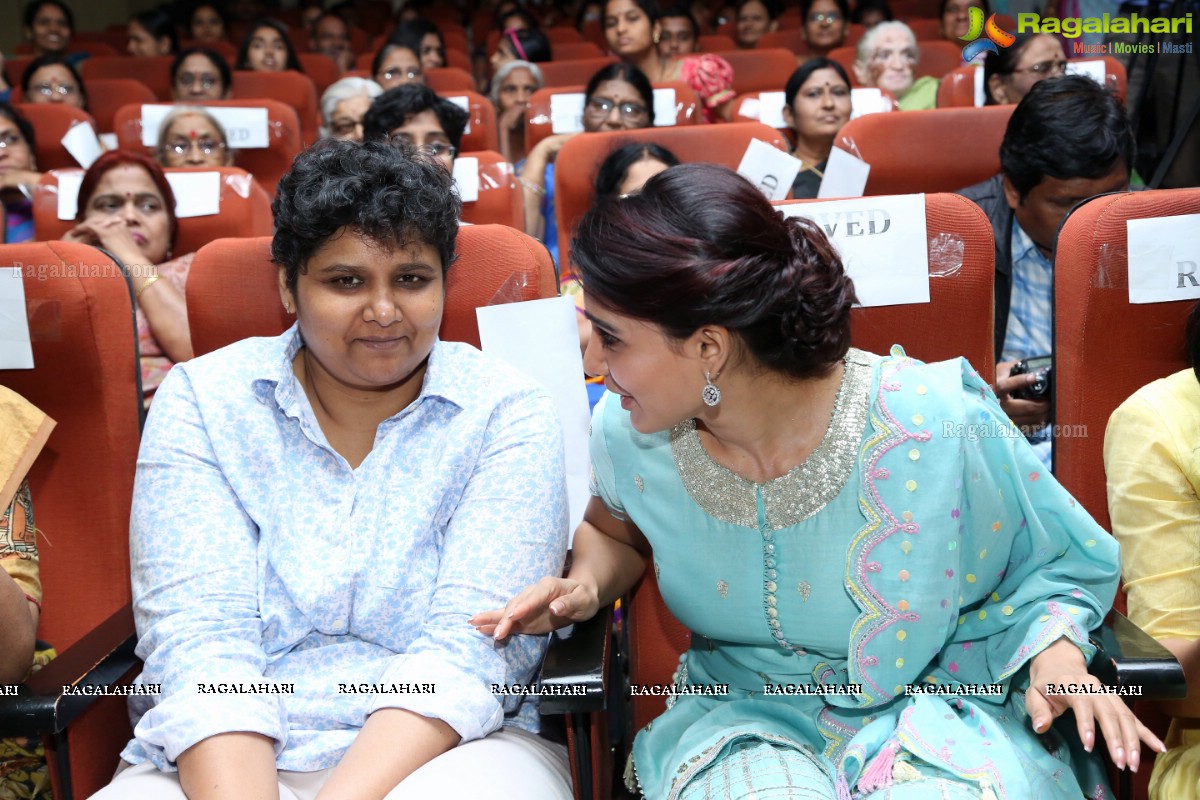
513 117
111 233
547 605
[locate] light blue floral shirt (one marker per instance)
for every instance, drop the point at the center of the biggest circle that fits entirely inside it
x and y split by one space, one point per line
262 561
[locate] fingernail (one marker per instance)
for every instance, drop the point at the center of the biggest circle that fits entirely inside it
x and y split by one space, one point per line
557 608
1089 741
1134 760
1120 759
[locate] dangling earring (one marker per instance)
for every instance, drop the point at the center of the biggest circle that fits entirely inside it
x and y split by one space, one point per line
287 307
711 395
657 36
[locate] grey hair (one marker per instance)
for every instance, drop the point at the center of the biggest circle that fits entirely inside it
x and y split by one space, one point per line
507 68
344 89
866 45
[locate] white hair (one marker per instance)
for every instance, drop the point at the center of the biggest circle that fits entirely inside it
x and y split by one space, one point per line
507 68
866 45
344 89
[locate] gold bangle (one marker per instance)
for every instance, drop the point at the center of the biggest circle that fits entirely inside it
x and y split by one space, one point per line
149 282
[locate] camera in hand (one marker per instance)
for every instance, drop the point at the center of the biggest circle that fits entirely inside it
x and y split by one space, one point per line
1039 366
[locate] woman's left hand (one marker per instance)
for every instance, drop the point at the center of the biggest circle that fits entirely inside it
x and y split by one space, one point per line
1058 680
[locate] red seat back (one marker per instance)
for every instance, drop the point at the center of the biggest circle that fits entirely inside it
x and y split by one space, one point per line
50 122
153 71
501 200
288 87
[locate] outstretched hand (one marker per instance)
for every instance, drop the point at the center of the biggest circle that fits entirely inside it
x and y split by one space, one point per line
1058 680
547 605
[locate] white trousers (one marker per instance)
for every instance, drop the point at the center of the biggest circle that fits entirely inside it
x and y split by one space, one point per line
510 764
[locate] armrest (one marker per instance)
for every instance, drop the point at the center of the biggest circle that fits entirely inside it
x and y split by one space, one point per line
1128 656
102 658
575 667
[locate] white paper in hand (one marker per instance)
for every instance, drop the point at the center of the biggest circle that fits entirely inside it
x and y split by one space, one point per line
770 169
541 338
83 144
845 175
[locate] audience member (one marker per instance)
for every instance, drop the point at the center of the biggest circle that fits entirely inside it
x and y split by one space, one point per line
1009 74
415 115
590 11
754 18
199 74
395 65
267 48
49 26
631 27
361 398
18 174
521 45
152 33
679 34
331 36
816 106
1068 139
870 13
343 106
785 488
887 56
826 23
310 12
1151 451
127 207
189 136
512 88
618 97
423 38
208 23
955 17
51 78
517 19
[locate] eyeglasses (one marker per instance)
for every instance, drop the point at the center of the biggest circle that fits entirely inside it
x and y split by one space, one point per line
883 56
50 89
435 149
181 147
10 139
396 74
602 107
187 79
1055 66
818 18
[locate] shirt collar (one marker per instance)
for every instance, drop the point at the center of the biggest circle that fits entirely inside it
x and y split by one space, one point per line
1023 247
276 379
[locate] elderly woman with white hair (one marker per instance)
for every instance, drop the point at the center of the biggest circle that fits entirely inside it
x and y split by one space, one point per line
887 55
343 106
512 87
190 136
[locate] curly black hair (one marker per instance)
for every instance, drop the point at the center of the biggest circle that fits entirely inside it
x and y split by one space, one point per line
401 103
391 193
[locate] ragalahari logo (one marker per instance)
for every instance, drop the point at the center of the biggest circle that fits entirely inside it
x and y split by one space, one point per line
995 35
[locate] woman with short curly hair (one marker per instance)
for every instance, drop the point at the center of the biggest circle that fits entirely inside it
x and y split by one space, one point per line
315 513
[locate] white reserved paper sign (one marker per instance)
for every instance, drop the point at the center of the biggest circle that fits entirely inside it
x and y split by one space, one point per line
466 178
980 97
1093 68
845 175
197 194
770 109
465 104
16 352
867 101
664 108
770 169
541 338
1164 258
566 112
83 144
245 128
882 244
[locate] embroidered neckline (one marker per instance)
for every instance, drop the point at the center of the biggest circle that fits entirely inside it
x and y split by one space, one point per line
803 490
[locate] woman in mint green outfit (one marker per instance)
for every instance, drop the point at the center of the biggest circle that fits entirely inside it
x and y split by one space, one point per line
833 526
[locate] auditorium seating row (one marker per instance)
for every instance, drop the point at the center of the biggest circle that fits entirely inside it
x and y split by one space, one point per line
86 369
